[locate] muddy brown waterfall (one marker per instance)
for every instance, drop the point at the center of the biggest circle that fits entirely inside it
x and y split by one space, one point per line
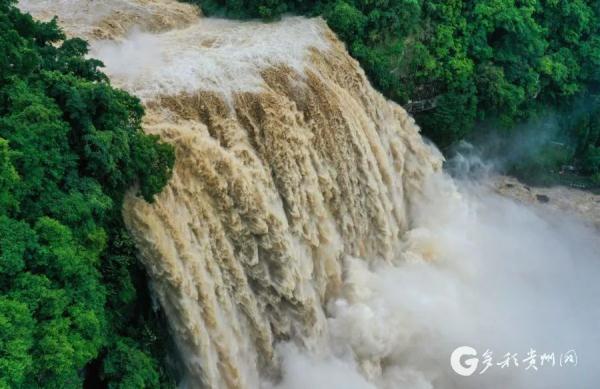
288 162
309 238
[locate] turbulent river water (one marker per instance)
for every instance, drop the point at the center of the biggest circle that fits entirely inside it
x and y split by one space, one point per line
309 238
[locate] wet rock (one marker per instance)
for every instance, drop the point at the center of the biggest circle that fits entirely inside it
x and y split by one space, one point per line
542 198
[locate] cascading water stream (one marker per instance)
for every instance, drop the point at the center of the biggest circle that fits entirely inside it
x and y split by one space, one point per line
308 237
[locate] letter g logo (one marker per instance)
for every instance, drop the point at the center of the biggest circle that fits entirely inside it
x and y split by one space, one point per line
469 365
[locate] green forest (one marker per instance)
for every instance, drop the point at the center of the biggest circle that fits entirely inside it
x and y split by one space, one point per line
477 70
73 299
74 305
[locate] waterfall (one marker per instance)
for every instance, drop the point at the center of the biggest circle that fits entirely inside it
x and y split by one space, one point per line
308 234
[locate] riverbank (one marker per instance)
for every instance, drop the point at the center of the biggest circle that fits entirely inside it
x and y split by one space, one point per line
584 204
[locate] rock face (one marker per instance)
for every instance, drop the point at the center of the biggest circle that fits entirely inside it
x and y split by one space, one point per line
288 163
585 205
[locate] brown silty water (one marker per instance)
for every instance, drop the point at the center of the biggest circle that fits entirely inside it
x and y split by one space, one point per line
288 162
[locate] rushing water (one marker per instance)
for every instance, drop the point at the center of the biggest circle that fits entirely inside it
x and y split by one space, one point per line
308 237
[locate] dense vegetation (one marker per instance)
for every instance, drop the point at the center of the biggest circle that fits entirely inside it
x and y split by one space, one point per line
470 68
74 307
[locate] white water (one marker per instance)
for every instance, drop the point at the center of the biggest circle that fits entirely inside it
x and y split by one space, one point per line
478 270
216 55
426 264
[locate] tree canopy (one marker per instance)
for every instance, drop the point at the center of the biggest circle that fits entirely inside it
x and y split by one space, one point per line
73 300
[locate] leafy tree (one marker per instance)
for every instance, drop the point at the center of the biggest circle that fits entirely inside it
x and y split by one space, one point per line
70 147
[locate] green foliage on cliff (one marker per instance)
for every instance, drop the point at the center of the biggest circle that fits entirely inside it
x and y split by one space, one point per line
464 66
73 301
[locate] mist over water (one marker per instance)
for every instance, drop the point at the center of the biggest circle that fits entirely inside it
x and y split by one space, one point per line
476 269
308 237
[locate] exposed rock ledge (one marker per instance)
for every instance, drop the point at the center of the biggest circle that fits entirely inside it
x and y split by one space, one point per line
574 201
